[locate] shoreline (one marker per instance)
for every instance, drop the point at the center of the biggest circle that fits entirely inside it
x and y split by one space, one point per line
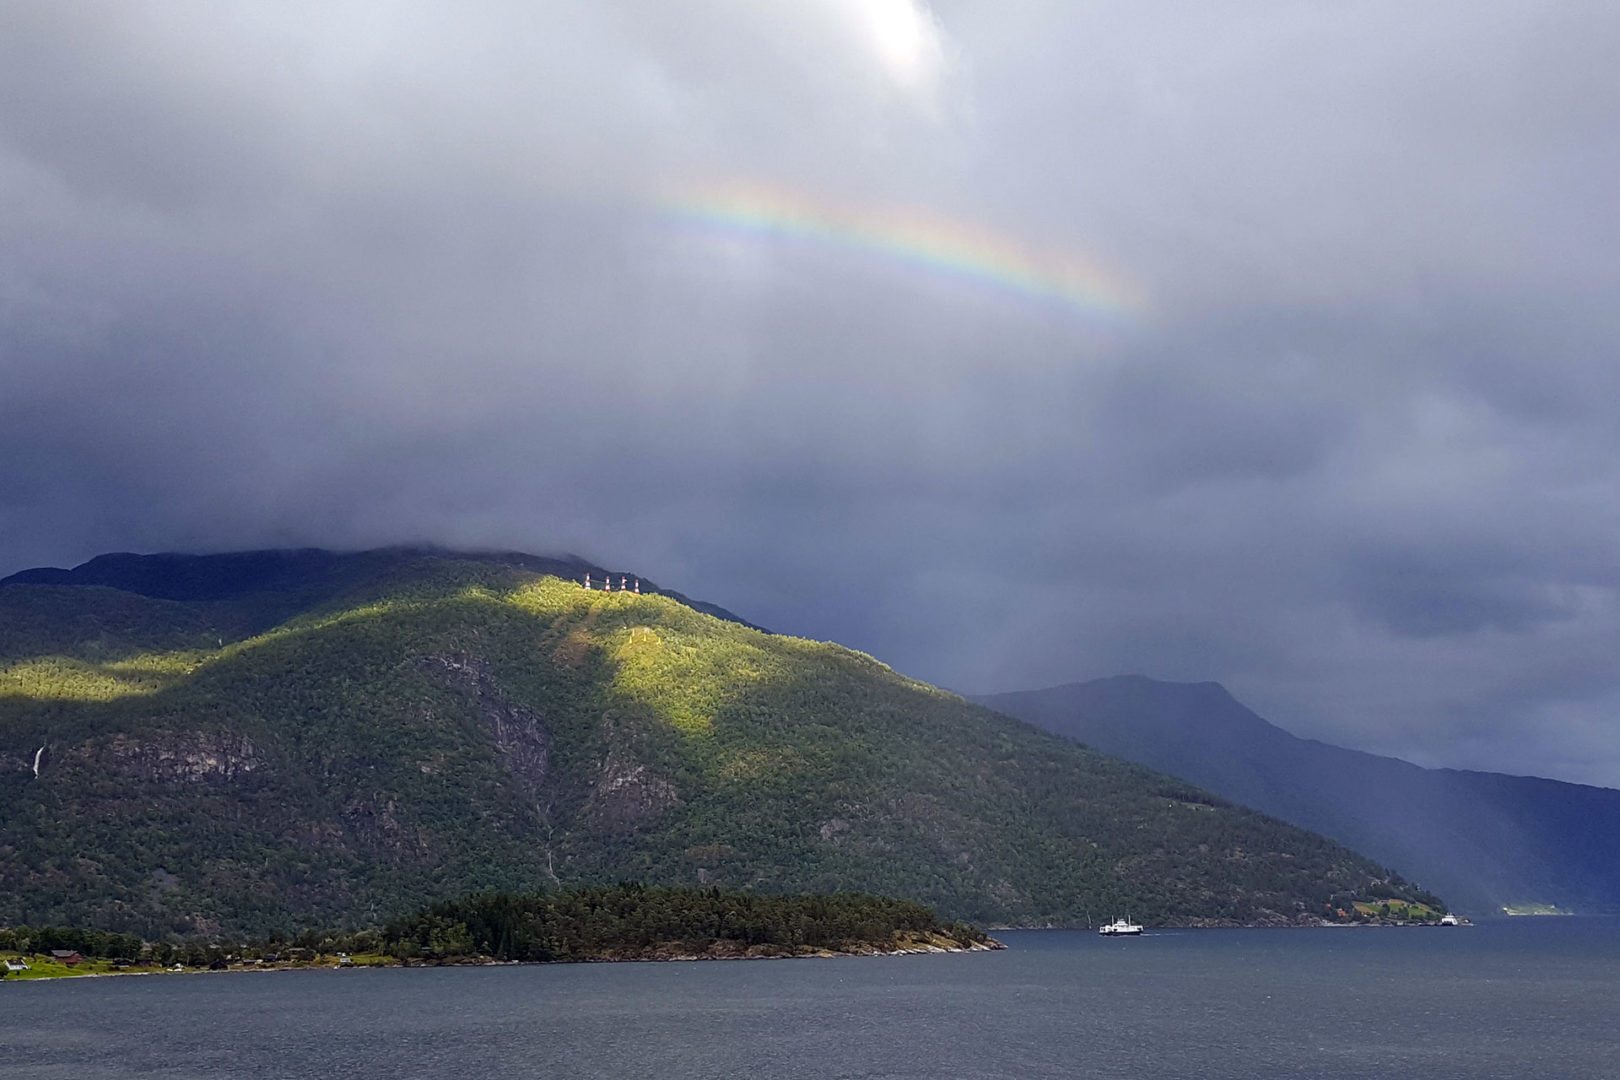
916 949
1325 925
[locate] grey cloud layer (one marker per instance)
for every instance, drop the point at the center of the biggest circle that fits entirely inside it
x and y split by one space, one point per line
349 275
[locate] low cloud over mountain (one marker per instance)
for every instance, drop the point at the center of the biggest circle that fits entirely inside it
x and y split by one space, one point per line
1012 343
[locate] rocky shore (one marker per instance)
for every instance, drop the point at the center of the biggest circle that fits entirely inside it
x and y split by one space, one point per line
41 970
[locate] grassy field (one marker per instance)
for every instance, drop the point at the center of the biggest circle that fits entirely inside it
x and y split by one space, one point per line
1399 910
44 967
1534 909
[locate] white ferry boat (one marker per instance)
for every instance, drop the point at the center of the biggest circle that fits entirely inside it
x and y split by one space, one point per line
1120 928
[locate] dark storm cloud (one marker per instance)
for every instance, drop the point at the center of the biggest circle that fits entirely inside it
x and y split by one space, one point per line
351 275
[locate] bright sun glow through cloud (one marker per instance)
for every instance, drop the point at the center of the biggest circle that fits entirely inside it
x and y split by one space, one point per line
906 41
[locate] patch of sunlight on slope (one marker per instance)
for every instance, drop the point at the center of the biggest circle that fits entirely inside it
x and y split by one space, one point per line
686 678
746 765
681 664
831 650
306 625
63 678
314 623
552 596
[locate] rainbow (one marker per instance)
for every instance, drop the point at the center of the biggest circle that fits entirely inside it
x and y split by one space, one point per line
937 245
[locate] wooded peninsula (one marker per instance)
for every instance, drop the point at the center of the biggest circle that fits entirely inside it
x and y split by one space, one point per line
620 922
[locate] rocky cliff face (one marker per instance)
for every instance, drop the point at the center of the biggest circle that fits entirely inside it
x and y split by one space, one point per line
516 732
169 759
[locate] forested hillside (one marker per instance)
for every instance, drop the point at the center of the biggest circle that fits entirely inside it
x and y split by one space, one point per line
258 753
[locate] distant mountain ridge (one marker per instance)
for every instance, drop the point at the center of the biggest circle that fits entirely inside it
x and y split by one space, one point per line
300 573
246 743
1482 840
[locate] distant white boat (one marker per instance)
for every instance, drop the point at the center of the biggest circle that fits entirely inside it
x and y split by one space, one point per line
1449 919
1120 928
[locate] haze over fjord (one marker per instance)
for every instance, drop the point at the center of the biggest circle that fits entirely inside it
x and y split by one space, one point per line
1014 344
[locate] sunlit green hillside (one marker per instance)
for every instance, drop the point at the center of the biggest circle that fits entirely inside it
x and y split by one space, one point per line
436 725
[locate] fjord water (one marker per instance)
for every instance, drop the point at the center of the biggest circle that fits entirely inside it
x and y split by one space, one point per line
1508 998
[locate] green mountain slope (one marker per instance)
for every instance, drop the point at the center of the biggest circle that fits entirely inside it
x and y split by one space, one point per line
395 728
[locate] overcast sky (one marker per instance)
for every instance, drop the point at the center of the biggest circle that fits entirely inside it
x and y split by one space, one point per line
1014 342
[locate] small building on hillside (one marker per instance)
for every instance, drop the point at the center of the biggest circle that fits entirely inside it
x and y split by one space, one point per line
70 957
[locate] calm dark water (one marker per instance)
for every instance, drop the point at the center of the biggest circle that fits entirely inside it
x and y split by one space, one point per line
1514 998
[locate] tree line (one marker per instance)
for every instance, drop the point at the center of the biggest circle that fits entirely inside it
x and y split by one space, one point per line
96 943
610 922
633 919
